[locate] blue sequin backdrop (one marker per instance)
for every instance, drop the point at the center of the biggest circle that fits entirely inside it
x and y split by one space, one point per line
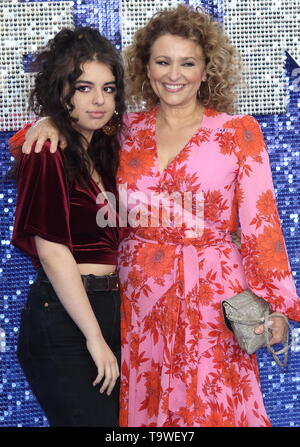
281 388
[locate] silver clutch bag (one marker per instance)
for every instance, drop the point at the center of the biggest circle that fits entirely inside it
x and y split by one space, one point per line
242 314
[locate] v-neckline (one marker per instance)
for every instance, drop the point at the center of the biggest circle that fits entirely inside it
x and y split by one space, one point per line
182 150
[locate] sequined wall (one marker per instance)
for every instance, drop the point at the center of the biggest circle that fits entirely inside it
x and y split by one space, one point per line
267 34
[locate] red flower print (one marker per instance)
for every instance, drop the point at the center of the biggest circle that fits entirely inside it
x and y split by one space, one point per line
246 389
135 118
271 249
266 203
206 293
123 417
214 205
231 377
199 407
135 277
219 356
134 164
218 418
210 388
157 260
192 389
126 311
163 317
187 416
153 388
247 135
144 139
136 359
200 136
193 318
142 134
226 142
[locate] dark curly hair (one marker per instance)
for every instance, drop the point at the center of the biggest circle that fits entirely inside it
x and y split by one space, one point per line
59 65
223 63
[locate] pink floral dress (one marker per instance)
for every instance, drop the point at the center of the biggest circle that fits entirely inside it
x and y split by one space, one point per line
181 366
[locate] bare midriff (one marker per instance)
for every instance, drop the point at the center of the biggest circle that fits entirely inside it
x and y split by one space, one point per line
96 269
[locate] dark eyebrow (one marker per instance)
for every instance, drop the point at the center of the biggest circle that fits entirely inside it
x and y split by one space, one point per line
91 83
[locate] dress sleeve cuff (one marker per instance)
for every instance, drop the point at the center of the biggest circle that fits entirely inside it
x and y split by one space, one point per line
15 143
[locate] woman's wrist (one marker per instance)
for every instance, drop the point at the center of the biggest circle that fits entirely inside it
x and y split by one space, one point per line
39 121
95 336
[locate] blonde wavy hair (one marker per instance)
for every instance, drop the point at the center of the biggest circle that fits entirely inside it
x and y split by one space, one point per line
223 63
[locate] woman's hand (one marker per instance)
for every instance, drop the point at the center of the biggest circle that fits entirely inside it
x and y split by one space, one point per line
106 363
40 132
278 327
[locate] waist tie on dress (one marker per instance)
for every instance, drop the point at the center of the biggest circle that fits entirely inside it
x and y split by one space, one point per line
186 266
187 247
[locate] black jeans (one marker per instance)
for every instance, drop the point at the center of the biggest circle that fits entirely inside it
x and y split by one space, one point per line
57 365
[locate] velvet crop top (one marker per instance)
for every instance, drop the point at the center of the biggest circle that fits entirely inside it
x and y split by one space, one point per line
49 207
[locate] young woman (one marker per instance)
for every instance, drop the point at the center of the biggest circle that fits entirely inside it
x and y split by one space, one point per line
69 343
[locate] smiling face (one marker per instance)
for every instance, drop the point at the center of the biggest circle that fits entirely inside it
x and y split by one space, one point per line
176 69
94 98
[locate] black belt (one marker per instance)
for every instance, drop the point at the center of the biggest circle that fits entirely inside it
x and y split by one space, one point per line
91 283
100 283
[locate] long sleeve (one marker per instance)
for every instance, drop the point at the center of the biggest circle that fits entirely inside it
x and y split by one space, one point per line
265 258
15 143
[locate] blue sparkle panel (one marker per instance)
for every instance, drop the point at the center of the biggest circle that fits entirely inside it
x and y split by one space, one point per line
281 389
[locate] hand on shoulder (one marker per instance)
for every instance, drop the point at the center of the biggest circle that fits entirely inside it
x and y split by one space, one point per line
39 133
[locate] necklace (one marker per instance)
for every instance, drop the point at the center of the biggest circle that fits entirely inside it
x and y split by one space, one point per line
97 179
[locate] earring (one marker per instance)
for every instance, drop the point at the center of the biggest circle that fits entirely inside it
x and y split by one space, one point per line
199 90
111 128
143 85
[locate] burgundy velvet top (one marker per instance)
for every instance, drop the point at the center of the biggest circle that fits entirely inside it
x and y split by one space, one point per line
49 207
